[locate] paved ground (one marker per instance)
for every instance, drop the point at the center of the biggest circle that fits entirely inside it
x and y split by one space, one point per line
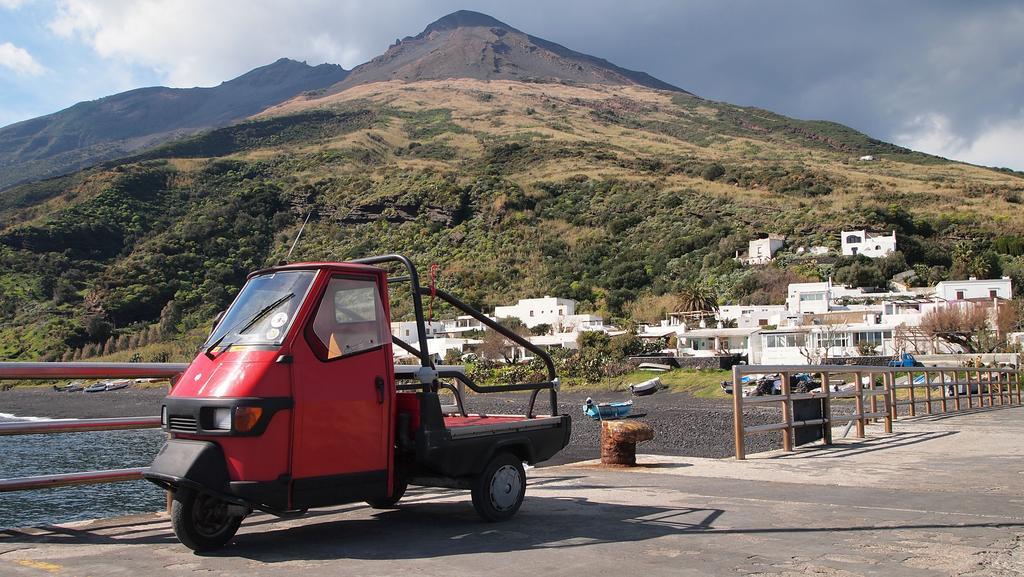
942 496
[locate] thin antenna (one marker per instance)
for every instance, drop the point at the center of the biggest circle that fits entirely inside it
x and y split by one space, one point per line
299 235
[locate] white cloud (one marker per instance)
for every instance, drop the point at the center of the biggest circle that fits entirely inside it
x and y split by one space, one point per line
13 4
19 60
197 42
997 144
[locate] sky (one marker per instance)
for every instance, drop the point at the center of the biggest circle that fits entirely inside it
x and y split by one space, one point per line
940 76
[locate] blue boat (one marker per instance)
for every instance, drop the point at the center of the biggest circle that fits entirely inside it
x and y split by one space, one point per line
603 411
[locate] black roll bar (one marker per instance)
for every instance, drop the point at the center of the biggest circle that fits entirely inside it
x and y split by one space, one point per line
417 302
423 353
551 385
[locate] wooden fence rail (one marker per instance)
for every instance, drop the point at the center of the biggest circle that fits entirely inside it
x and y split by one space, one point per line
876 394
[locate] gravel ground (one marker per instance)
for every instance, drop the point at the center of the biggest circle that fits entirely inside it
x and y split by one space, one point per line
683 425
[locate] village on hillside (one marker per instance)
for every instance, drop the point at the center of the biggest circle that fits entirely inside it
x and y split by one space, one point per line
819 323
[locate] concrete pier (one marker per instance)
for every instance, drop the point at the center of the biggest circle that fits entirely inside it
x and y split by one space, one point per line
941 496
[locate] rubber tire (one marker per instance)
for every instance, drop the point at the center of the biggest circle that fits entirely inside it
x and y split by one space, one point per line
481 488
184 522
390 502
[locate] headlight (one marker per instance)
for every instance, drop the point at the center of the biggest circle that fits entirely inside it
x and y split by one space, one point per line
222 419
163 415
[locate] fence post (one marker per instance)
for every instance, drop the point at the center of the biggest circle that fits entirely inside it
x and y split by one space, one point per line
886 385
737 410
956 385
826 412
928 392
893 407
859 401
787 414
872 400
913 401
944 388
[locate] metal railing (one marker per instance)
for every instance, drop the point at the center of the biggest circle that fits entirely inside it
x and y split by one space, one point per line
80 370
877 393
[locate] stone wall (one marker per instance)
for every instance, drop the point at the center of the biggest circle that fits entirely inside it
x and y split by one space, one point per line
724 362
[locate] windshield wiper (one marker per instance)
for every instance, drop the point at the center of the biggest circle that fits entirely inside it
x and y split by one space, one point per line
248 323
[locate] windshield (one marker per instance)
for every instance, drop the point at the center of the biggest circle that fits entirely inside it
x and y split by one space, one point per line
264 310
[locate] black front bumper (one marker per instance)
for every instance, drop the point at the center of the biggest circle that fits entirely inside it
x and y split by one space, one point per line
201 466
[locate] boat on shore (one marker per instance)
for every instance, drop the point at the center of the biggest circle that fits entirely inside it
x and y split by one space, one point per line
648 387
72 387
96 388
606 411
116 385
654 367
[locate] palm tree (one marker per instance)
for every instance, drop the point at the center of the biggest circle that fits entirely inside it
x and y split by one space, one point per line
695 297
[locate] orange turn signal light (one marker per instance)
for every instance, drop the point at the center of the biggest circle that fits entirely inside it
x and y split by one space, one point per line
246 418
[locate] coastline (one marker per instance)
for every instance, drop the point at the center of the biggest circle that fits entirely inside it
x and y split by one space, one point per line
45 403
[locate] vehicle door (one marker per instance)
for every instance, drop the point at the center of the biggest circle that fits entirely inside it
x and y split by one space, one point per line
342 368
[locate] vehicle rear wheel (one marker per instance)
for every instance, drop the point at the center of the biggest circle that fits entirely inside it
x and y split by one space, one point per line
202 522
498 492
390 502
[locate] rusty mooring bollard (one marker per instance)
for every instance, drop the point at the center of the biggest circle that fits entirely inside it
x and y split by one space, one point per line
619 439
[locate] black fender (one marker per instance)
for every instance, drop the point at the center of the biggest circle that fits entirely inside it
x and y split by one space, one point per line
521 447
198 465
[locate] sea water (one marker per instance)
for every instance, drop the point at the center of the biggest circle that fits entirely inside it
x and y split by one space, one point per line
27 455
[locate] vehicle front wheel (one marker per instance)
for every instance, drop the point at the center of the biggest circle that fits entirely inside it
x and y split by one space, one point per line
498 492
202 522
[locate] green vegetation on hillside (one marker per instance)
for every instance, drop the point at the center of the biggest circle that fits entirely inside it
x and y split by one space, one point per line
612 198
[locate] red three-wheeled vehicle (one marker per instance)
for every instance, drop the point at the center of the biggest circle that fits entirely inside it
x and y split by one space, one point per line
295 402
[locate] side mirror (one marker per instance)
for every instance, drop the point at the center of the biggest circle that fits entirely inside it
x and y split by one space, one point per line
216 320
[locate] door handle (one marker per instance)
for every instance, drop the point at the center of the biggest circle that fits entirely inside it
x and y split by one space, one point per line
379 383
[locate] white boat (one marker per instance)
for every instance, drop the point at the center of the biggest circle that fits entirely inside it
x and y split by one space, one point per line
646 388
115 385
96 388
656 367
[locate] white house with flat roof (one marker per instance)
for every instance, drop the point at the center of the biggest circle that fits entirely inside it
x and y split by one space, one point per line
747 316
406 330
973 288
762 250
867 243
538 311
712 342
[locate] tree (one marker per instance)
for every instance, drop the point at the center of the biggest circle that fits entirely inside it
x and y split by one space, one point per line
861 273
698 298
963 325
541 329
97 328
713 171
496 346
170 316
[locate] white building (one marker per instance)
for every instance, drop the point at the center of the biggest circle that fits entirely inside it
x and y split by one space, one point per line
958 290
813 344
719 341
868 244
762 250
461 325
747 316
406 330
533 312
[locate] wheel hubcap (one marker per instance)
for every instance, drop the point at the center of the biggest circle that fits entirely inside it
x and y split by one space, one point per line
210 515
506 485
